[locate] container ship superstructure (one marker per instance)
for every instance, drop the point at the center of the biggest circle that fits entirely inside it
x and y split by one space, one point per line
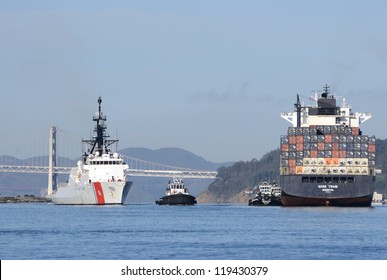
100 178
325 159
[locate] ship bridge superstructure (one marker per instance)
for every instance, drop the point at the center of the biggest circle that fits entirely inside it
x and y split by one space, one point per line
325 113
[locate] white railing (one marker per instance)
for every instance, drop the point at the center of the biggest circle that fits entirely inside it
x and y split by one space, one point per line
172 173
33 169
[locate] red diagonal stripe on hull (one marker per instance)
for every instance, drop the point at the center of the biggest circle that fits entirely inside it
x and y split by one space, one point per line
99 193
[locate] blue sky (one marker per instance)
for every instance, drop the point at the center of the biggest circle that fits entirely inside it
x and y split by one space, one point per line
211 77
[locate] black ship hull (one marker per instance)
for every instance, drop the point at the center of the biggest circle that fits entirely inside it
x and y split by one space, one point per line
265 200
177 199
259 202
327 190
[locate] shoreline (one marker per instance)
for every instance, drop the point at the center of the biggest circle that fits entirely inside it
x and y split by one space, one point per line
24 199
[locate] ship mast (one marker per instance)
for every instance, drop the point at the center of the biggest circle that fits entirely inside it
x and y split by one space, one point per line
326 91
100 143
298 110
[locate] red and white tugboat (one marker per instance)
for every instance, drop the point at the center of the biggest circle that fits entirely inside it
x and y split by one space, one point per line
100 178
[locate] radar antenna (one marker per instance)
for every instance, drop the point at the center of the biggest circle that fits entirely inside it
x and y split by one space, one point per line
326 91
298 107
100 143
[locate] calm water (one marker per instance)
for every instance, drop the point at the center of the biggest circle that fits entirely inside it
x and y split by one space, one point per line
46 231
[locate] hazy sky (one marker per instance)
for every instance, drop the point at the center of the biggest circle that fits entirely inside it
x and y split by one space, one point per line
211 77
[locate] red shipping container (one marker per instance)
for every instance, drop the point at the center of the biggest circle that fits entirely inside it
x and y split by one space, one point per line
292 163
313 154
328 138
320 146
371 148
355 131
300 139
335 154
292 139
299 147
335 146
342 154
285 148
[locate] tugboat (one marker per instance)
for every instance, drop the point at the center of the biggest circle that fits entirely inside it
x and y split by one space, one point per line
267 194
100 178
325 158
176 194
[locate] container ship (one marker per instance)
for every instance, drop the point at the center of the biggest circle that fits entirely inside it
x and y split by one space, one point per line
325 159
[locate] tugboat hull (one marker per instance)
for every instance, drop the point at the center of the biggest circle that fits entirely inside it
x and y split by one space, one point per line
267 194
177 199
259 202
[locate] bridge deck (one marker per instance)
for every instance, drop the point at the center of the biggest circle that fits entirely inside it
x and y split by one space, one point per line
130 172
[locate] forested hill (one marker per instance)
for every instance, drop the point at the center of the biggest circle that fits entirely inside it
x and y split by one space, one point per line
381 162
231 182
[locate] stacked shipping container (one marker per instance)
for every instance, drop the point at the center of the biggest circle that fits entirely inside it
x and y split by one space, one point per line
335 150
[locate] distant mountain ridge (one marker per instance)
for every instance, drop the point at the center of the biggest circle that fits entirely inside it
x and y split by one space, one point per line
174 157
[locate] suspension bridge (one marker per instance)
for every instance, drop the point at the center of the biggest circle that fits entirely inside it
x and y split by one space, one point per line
30 156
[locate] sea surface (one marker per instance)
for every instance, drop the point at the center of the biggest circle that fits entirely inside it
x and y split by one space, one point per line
44 231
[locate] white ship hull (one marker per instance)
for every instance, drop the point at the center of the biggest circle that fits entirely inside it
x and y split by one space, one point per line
97 193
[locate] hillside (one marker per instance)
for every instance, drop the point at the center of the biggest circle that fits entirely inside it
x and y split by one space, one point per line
381 161
231 182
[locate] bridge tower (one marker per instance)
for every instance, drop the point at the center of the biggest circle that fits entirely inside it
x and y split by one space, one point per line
52 162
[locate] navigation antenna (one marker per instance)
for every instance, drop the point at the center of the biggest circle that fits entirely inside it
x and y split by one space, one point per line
326 91
100 143
298 110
